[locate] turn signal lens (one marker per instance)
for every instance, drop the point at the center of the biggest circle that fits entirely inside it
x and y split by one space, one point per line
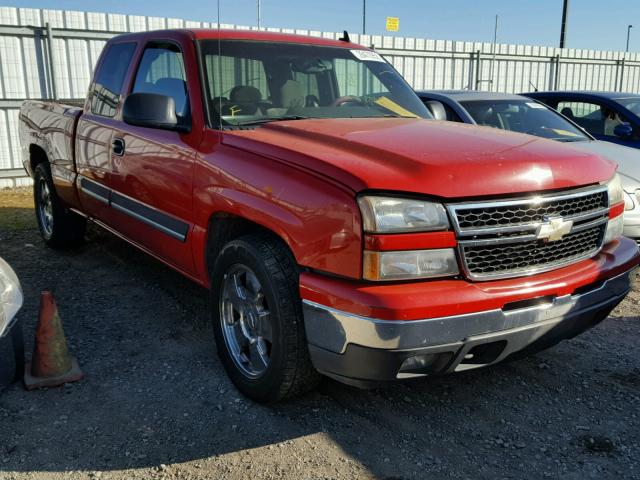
614 187
409 264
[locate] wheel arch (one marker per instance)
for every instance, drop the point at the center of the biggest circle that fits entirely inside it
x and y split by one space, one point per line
37 155
224 227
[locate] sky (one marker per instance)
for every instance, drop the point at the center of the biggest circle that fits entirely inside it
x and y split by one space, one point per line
593 24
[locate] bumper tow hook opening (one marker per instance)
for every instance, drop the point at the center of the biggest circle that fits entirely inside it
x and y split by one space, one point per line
531 302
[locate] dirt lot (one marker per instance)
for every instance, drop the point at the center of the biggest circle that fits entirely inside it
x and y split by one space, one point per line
156 403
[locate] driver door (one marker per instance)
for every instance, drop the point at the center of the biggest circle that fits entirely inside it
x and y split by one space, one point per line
153 174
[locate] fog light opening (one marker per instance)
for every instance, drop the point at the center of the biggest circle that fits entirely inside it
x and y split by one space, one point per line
425 364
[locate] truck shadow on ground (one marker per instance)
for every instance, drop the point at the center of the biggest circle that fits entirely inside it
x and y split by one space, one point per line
155 393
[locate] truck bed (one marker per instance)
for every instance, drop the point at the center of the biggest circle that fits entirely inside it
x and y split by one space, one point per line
51 126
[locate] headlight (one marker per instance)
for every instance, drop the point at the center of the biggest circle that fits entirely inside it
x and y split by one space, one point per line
628 201
409 264
614 229
614 187
393 215
10 296
617 195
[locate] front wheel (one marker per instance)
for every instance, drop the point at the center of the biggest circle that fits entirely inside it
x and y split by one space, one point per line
257 319
59 227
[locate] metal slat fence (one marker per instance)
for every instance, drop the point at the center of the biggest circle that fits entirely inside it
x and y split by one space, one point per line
51 54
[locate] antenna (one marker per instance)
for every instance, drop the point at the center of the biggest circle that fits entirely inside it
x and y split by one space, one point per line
259 15
535 89
345 37
493 54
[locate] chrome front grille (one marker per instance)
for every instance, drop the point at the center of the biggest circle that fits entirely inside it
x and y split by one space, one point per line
520 257
526 213
502 239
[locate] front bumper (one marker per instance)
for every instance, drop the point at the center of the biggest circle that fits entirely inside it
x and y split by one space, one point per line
360 349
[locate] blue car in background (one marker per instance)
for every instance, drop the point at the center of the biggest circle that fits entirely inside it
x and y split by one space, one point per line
609 116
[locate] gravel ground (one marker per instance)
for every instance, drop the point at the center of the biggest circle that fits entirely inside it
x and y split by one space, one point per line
156 403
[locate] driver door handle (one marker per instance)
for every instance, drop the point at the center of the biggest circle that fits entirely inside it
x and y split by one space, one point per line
117 146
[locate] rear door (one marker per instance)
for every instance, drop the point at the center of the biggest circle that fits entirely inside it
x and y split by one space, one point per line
152 183
96 127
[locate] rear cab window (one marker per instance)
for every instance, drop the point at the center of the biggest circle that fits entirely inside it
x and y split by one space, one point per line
107 87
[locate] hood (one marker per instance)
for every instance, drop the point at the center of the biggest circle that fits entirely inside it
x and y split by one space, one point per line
628 160
442 159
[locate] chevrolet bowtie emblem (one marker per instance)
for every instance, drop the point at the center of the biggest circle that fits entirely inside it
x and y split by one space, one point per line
553 229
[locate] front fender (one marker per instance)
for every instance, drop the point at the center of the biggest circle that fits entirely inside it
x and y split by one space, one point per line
320 221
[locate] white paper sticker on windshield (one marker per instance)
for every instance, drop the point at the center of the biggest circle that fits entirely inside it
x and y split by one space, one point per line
367 56
535 105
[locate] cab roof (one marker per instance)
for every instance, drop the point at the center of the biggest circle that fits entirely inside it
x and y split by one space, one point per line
255 35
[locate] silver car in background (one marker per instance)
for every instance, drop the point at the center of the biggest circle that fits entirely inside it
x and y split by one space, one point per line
10 297
11 343
525 115
628 160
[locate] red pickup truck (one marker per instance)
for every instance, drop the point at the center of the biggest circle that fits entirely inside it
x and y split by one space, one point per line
339 229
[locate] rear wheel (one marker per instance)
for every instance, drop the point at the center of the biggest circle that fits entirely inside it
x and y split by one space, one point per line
59 227
257 319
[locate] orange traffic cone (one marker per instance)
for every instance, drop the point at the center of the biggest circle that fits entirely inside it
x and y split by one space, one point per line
51 365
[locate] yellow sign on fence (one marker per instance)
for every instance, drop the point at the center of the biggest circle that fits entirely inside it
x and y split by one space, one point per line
393 24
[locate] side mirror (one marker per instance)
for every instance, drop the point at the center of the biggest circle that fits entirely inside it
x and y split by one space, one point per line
152 111
437 109
624 130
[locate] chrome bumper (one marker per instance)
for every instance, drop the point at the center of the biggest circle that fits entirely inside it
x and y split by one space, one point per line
331 333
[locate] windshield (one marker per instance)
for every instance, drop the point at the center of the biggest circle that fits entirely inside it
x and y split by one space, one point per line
524 116
249 83
632 104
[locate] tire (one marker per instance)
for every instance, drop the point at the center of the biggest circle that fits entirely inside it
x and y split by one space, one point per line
287 370
59 227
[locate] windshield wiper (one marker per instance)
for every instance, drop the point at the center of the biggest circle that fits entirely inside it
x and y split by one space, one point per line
260 121
569 140
394 115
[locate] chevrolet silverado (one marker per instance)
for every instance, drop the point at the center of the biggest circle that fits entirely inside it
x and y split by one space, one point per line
339 228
